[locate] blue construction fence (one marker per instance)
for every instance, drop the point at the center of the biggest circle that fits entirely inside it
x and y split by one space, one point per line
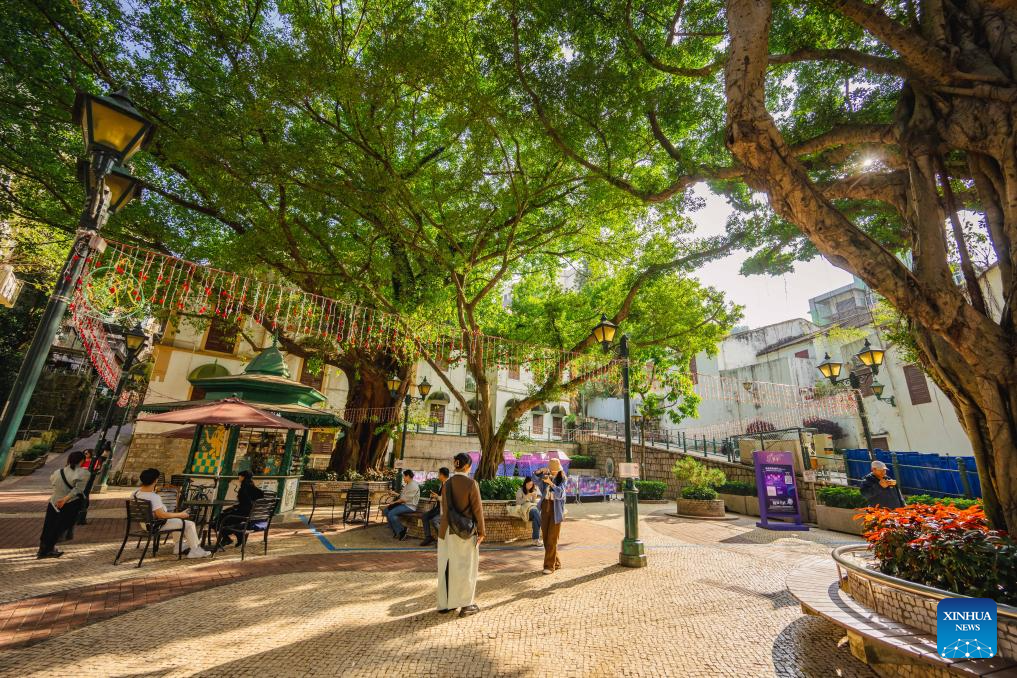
939 475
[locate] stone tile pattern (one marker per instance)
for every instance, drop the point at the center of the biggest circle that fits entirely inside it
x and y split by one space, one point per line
917 610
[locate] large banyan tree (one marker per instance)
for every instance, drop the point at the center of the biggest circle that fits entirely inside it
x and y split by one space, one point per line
882 133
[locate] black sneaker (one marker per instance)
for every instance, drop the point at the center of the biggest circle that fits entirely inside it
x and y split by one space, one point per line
51 554
402 535
428 541
468 610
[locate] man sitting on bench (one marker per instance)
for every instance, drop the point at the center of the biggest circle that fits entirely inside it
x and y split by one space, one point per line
406 503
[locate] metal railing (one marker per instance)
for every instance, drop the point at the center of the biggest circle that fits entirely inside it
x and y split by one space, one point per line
454 424
669 440
902 584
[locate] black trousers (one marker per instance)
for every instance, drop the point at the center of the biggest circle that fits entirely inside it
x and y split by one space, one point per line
52 528
228 524
69 516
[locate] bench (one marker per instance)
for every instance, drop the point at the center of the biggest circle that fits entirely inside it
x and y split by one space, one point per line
873 638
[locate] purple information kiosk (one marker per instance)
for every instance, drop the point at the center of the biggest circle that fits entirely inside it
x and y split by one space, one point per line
778 493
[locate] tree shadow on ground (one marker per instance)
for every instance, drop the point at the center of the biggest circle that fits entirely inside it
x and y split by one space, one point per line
810 647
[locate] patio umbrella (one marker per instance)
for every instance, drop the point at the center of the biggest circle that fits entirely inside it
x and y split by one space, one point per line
183 433
226 412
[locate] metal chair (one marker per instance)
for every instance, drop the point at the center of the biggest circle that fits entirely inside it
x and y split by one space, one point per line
149 528
259 520
322 499
358 502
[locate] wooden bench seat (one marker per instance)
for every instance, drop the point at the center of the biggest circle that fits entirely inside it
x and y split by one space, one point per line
874 638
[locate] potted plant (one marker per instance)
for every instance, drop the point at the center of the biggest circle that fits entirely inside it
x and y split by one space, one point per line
739 497
697 496
837 508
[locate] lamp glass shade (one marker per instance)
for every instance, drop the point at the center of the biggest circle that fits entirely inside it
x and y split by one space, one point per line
604 331
122 188
111 123
393 384
870 357
135 338
424 387
877 389
830 368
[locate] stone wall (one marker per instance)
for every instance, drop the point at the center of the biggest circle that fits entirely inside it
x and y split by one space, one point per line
499 524
430 451
655 464
917 610
151 450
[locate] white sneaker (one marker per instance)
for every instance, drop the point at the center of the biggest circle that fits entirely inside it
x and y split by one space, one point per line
537 542
548 571
199 553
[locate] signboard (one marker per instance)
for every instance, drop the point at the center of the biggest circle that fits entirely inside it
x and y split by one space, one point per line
628 470
809 476
777 489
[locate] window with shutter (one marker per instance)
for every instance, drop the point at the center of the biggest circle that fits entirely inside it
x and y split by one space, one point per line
864 375
803 354
307 378
222 336
918 387
538 424
438 414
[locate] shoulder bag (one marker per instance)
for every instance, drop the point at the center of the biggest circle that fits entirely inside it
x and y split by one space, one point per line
461 525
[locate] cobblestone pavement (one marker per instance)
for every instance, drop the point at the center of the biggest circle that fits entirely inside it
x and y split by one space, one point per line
355 603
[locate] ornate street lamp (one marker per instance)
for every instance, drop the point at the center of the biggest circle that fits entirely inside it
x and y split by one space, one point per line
871 358
877 390
134 341
112 131
123 187
394 383
633 551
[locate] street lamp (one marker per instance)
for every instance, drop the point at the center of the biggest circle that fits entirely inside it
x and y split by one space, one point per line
394 384
633 551
134 340
870 357
113 131
877 390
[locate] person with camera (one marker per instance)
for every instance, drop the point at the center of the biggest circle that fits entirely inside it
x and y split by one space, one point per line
460 535
551 480
879 490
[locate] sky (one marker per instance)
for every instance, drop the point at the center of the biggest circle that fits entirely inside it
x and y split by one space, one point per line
766 299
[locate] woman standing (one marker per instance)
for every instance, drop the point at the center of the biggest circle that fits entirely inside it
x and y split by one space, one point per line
528 507
459 537
68 484
551 481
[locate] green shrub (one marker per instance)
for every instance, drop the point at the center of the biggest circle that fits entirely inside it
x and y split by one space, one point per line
946 501
702 492
651 489
738 488
693 473
318 474
428 486
838 496
501 487
29 455
583 461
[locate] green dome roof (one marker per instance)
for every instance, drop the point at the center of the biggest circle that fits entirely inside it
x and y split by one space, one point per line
207 371
270 361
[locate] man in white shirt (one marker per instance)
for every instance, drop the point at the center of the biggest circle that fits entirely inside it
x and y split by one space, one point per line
173 520
406 503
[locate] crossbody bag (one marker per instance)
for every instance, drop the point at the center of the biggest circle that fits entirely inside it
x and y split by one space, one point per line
461 525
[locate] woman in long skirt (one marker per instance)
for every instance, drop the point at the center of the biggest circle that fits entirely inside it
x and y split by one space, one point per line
551 481
459 555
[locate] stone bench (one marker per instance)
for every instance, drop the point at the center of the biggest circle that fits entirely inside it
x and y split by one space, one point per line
500 525
889 647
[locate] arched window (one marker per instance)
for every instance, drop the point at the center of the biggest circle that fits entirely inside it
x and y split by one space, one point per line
436 404
537 419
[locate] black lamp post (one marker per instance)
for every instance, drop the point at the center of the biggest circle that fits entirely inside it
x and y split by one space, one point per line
633 551
871 358
113 131
394 384
134 339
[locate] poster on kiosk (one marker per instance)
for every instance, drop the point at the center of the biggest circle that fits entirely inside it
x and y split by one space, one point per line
777 490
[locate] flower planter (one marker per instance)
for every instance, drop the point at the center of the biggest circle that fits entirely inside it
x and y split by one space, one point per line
838 519
25 467
499 522
701 508
734 502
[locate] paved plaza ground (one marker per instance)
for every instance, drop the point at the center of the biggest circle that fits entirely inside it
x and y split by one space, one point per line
354 602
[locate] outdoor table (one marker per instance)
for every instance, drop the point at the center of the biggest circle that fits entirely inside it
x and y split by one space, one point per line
209 510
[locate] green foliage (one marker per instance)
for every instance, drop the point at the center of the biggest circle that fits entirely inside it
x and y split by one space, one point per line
582 461
945 547
692 473
830 428
428 486
502 487
959 502
651 489
702 493
738 488
838 496
318 474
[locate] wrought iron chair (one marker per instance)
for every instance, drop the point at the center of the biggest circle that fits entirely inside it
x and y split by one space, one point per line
320 499
358 502
139 511
259 520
